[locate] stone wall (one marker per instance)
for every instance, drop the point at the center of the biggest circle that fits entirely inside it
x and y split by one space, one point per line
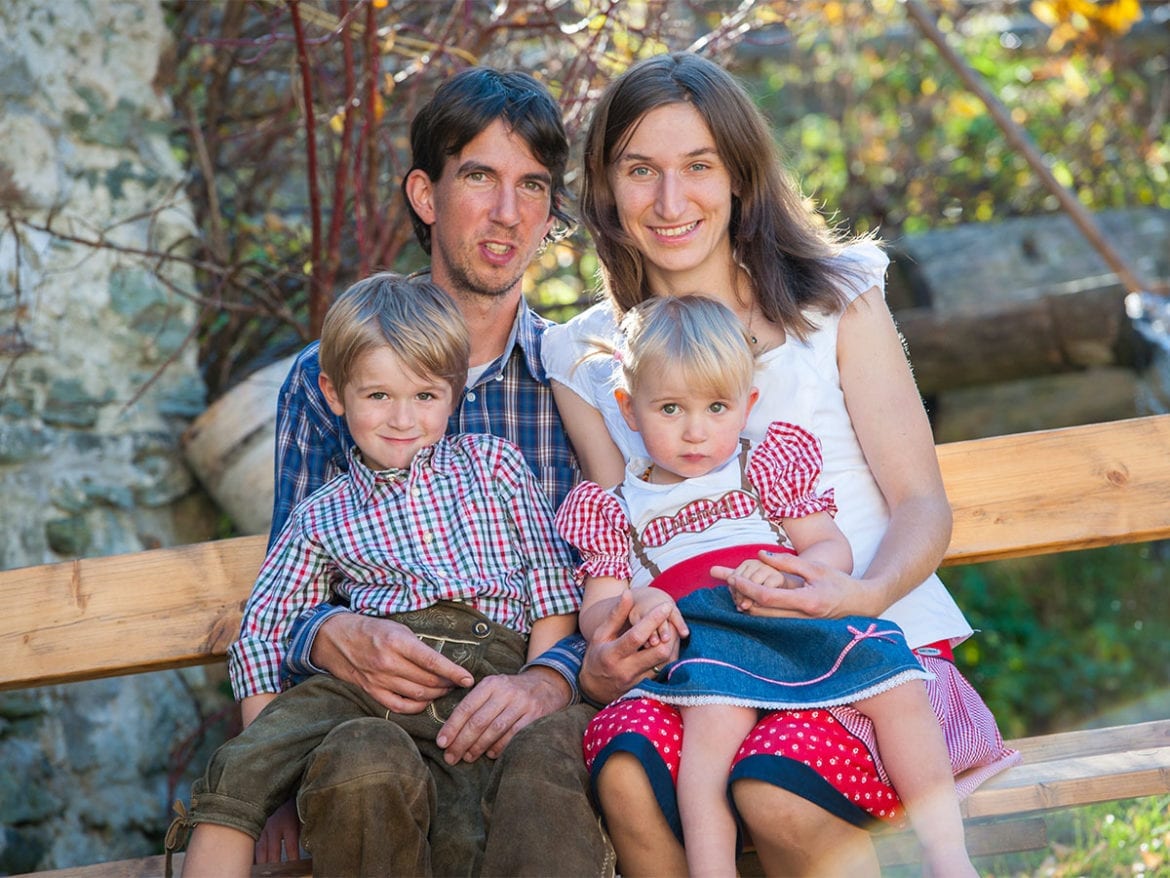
97 381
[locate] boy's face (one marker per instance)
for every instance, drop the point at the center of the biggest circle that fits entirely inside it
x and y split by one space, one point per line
687 431
391 411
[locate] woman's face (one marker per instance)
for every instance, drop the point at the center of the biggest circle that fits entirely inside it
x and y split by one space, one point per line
673 197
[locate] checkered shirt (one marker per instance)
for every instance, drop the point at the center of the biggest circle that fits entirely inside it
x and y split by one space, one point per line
467 522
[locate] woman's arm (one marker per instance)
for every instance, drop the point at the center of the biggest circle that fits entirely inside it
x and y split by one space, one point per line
892 427
816 539
598 455
894 433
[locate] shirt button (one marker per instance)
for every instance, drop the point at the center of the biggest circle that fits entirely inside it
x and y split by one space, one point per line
416 492
471 396
428 538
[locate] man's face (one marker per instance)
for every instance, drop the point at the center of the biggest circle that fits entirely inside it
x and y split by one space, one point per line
488 212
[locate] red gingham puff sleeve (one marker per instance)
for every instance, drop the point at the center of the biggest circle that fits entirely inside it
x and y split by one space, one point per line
593 521
785 467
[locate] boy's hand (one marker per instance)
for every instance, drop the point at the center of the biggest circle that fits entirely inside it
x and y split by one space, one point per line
281 836
386 660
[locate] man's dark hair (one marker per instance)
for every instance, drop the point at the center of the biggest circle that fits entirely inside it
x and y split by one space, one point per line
467 103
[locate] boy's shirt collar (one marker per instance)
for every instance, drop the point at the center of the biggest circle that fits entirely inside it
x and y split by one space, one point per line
365 482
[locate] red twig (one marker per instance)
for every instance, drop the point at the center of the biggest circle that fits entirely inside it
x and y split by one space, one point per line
366 200
317 304
327 276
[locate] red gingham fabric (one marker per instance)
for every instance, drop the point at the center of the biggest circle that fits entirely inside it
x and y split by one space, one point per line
467 521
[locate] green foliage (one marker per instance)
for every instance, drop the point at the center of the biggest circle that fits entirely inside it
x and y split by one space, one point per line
1064 639
883 131
1126 838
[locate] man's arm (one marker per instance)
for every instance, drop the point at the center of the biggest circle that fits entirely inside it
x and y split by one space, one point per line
311 441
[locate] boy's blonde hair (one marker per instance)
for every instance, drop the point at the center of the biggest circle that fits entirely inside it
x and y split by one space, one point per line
415 319
692 336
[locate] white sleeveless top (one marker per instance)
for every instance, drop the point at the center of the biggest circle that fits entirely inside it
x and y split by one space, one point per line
799 383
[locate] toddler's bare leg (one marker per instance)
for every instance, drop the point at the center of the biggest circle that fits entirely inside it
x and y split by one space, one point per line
712 734
914 754
642 839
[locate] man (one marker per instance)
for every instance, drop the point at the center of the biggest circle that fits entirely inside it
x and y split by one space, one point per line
485 191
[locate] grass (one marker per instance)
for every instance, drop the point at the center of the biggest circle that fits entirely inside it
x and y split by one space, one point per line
1109 840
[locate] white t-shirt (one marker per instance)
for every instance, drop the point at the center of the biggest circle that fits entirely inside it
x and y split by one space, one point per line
799 383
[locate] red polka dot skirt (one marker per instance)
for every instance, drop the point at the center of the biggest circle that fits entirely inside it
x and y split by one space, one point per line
837 744
813 737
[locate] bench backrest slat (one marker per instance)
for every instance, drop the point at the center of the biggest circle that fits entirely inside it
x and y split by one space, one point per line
1058 490
1024 494
99 617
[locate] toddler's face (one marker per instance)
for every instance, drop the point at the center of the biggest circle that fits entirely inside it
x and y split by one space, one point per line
687 431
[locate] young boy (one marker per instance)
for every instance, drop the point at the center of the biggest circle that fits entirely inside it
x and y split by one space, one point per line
451 537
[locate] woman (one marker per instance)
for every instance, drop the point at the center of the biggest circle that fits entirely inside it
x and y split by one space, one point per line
684 193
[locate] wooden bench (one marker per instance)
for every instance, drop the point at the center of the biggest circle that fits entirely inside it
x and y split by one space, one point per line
1025 494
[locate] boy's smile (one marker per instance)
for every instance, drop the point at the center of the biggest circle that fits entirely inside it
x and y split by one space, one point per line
391 411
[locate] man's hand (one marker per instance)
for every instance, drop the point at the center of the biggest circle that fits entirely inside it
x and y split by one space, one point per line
386 660
496 709
615 661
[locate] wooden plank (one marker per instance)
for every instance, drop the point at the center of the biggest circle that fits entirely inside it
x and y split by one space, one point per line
1104 483
99 617
155 867
983 839
1057 490
1091 742
1064 783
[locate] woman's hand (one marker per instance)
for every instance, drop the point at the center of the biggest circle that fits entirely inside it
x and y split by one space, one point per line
753 572
821 592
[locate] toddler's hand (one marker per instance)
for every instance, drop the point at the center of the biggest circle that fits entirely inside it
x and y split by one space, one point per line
673 628
754 571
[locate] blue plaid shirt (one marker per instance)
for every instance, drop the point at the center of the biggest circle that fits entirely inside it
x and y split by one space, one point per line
511 399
